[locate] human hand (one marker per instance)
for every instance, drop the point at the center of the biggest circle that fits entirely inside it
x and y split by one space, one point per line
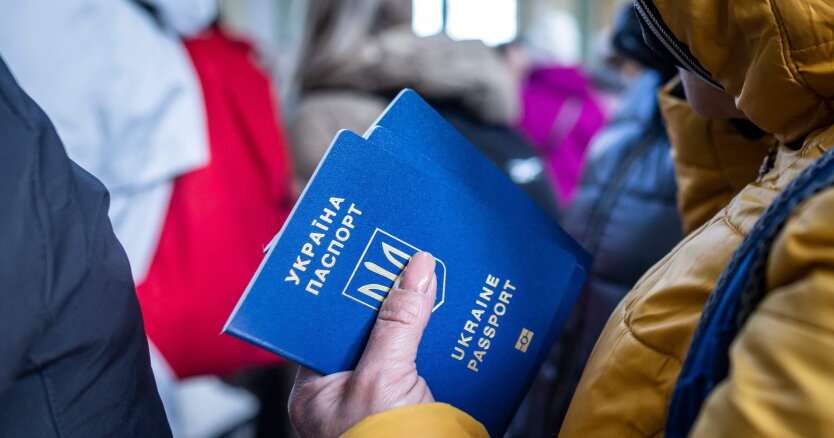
386 376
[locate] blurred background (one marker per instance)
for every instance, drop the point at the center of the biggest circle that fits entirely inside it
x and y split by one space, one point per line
277 26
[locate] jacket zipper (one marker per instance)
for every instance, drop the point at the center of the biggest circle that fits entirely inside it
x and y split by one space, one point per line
670 43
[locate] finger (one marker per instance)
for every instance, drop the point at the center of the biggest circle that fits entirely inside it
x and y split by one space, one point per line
402 318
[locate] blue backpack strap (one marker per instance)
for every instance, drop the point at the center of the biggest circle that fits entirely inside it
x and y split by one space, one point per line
740 289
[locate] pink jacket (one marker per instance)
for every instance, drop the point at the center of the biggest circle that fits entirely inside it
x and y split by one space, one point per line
560 116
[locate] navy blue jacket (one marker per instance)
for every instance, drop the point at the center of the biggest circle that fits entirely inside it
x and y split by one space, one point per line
625 214
73 353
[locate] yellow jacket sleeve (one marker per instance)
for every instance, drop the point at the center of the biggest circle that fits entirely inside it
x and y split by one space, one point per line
780 382
713 162
419 421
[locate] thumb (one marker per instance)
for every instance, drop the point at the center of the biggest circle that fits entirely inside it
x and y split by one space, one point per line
401 320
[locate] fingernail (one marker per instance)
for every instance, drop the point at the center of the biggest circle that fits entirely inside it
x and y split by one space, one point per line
418 274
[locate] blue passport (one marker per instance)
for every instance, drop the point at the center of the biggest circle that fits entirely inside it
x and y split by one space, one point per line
507 275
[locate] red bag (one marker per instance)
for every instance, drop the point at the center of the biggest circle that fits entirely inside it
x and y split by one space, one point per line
220 216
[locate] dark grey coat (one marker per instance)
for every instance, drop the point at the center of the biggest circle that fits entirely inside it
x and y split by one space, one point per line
73 354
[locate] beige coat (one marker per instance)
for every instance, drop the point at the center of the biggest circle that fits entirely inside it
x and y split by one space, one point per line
466 72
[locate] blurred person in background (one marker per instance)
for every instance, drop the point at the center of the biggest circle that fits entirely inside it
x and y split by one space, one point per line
358 54
560 112
626 200
124 97
119 87
219 218
179 124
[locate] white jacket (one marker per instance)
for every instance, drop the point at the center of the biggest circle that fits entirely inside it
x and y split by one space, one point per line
122 95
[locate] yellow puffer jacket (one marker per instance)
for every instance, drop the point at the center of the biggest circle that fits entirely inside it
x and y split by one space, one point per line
629 378
776 57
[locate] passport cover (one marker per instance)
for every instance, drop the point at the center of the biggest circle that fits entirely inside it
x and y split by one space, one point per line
510 209
505 283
